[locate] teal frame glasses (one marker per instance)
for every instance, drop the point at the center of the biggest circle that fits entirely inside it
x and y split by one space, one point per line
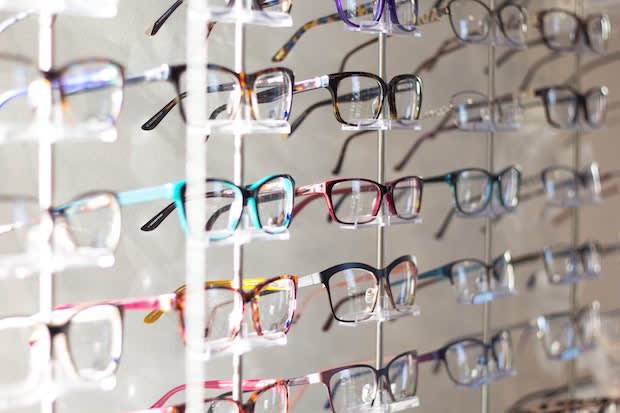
270 199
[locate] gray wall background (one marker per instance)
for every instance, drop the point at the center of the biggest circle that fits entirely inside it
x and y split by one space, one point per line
153 263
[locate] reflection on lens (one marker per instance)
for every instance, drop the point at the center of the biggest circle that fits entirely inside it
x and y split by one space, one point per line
224 206
402 281
473 191
561 107
403 376
561 185
596 106
470 279
466 361
599 32
276 306
357 200
224 315
358 12
560 29
510 184
406 14
470 20
407 195
93 93
359 100
353 388
273 96
407 97
25 351
94 221
514 24
95 340
353 294
274 201
273 400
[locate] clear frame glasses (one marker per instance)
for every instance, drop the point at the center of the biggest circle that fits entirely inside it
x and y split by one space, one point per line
362 199
475 281
87 344
567 187
565 336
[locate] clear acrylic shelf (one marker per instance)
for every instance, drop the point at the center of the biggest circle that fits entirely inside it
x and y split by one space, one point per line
242 14
388 28
384 124
385 314
37 390
488 296
247 127
409 403
249 342
85 8
29 263
88 132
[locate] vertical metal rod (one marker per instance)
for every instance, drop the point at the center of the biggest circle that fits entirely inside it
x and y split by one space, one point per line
381 179
488 230
196 174
238 173
574 288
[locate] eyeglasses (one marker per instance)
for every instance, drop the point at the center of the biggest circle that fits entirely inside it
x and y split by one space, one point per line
268 93
564 106
358 98
472 189
565 336
361 199
563 31
475 281
471 111
87 345
276 5
568 187
269 396
272 300
353 289
368 15
26 91
567 265
89 225
270 201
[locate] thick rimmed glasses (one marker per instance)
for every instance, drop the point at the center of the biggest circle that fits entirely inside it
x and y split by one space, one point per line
564 31
472 189
362 199
86 341
358 98
272 300
268 93
270 202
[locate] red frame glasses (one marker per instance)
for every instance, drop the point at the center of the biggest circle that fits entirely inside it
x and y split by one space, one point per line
332 187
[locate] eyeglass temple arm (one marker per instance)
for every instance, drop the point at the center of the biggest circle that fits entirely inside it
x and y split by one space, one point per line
440 128
248 385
